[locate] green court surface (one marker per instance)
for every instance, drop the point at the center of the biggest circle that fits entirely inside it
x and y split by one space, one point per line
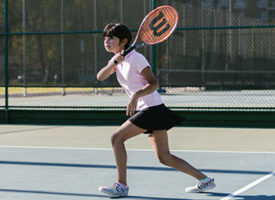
70 162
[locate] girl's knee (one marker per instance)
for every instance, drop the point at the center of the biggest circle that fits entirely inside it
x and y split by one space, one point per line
116 138
165 158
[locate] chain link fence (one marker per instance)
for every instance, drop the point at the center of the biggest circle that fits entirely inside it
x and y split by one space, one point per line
221 56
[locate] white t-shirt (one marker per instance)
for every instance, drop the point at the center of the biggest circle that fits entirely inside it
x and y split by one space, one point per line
129 76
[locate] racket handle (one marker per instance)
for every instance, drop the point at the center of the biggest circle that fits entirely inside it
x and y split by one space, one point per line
131 48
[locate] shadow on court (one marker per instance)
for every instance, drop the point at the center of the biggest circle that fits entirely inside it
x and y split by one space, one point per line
86 195
93 195
51 193
147 168
242 197
213 194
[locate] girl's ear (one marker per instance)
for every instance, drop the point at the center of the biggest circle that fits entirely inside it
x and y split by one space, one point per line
124 41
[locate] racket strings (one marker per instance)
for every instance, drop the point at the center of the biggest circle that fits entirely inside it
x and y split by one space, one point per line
159 25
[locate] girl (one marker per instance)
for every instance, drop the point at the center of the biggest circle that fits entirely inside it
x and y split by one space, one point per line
136 78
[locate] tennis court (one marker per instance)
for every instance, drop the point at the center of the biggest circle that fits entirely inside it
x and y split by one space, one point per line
220 59
70 162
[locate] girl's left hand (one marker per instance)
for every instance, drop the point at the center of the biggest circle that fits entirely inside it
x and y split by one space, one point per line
131 107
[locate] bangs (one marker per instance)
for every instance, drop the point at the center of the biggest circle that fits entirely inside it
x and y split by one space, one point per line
118 30
110 31
108 34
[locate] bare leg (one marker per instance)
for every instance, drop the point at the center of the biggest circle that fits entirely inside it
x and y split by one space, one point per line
126 131
159 141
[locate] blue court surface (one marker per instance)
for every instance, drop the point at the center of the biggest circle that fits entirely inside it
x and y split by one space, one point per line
71 173
59 173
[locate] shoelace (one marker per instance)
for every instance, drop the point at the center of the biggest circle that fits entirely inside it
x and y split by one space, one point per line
204 184
118 188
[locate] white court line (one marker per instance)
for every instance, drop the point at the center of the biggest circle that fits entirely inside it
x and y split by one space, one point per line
247 187
110 149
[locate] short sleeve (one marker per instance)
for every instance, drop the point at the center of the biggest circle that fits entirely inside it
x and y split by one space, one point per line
141 62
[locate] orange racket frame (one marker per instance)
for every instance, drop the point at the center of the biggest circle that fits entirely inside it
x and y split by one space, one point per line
156 27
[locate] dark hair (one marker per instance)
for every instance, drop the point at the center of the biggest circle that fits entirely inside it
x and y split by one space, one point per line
118 30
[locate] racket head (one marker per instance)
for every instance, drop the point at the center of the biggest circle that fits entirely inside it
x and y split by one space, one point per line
158 25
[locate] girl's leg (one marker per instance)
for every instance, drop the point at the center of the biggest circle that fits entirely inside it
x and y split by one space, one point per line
125 131
159 141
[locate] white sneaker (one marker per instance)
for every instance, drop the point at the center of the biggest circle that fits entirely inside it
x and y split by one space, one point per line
117 190
202 186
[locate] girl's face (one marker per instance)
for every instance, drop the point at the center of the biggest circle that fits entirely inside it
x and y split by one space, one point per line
113 44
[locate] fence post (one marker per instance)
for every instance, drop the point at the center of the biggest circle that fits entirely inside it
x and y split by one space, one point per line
24 46
62 22
6 61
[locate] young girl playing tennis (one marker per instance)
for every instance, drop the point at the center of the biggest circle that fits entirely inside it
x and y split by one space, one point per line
134 74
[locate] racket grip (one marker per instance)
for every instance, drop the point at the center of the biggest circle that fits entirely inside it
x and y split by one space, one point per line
127 51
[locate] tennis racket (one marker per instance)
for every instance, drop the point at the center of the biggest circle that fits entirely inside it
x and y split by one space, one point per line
156 27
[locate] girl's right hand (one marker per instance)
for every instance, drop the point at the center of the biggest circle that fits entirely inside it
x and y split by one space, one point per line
118 57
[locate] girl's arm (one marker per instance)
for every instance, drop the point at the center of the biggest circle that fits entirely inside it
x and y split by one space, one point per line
109 69
106 71
152 83
150 87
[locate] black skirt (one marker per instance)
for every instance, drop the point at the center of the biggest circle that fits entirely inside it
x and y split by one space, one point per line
156 118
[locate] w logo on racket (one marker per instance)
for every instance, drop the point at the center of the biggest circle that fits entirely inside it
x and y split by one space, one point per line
159 27
156 27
